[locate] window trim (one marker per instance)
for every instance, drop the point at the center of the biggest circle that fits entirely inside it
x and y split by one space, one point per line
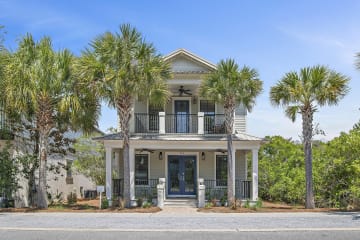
148 170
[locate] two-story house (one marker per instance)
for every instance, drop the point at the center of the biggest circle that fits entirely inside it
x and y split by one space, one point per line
183 141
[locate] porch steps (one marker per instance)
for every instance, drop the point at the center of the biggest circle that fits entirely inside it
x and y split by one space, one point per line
180 202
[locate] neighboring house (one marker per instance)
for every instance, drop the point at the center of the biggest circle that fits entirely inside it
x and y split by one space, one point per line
184 141
61 179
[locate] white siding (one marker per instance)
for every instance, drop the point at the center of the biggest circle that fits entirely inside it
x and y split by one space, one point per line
240 165
140 107
240 119
157 167
206 167
183 64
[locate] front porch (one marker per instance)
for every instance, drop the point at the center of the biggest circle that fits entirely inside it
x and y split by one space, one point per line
182 162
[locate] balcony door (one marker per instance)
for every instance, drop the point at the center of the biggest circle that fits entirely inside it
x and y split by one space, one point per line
182 116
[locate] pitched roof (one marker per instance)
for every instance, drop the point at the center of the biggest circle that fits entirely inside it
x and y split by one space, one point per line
192 56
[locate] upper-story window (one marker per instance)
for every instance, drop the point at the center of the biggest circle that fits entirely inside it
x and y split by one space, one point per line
154 117
207 107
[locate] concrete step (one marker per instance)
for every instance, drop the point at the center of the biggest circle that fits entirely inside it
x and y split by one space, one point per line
180 202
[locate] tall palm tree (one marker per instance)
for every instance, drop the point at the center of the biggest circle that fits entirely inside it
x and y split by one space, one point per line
302 93
122 66
39 85
231 86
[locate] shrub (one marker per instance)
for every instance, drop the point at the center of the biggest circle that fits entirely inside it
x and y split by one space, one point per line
104 203
71 198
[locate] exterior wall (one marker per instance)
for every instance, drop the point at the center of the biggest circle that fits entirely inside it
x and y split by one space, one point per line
182 64
157 167
58 184
240 119
140 107
206 168
240 165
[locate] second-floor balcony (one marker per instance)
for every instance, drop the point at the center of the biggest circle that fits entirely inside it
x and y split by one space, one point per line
180 123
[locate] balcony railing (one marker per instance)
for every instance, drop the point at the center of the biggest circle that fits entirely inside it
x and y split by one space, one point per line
217 189
180 123
214 124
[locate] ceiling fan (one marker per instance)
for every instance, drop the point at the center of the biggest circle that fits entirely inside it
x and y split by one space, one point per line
184 91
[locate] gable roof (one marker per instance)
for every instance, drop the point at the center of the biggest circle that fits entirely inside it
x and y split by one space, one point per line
185 53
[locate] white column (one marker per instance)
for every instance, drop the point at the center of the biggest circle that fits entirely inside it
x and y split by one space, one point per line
234 171
132 175
108 174
162 122
255 174
117 163
200 123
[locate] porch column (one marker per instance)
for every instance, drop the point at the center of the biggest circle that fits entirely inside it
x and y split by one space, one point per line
108 174
132 175
255 174
116 163
162 122
234 170
200 123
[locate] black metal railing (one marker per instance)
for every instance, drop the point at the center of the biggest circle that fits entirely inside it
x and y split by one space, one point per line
146 123
118 187
217 189
181 123
144 188
214 124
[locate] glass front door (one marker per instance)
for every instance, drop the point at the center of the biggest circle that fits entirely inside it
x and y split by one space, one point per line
181 175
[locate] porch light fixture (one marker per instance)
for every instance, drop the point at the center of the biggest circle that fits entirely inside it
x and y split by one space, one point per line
160 156
202 155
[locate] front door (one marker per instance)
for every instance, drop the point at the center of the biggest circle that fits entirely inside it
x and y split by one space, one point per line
181 175
182 116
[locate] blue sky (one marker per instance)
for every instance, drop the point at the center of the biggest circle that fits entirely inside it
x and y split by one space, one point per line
272 36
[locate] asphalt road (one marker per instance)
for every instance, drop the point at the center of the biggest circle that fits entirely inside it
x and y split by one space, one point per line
179 225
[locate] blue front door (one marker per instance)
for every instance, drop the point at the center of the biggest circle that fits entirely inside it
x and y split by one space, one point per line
181 175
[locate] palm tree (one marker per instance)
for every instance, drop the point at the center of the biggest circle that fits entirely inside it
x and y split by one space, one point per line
231 86
39 85
302 93
122 66
357 63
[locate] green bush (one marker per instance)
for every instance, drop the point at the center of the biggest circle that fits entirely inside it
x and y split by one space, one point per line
104 203
71 198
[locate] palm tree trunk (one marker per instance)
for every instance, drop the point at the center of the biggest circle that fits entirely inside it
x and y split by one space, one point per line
229 109
124 105
44 123
42 194
307 118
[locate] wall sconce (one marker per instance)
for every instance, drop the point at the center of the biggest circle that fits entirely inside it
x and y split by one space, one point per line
202 155
160 156
194 100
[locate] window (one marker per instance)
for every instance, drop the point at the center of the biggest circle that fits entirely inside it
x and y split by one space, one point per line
141 169
207 107
221 170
